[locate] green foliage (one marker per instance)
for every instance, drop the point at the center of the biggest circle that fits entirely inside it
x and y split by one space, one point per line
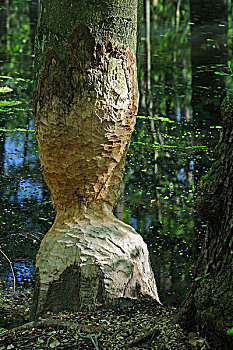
7 103
230 331
162 119
5 89
230 67
157 199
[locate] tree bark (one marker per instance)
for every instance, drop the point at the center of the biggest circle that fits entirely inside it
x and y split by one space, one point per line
209 305
85 105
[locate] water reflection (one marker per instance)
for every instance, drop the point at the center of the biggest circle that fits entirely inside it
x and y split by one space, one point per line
24 272
172 146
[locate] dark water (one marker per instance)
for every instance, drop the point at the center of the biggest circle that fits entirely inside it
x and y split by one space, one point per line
172 147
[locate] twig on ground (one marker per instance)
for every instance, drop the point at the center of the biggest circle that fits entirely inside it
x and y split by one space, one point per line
12 270
144 338
155 333
207 344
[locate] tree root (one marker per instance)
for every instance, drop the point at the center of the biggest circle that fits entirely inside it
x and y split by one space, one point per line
43 323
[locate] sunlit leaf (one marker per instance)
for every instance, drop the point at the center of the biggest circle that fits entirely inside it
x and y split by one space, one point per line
18 130
230 331
163 119
5 89
8 103
198 278
5 77
221 73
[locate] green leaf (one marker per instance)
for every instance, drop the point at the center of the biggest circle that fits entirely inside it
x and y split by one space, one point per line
51 333
17 129
162 119
5 89
198 278
230 331
230 66
40 341
221 73
5 77
6 103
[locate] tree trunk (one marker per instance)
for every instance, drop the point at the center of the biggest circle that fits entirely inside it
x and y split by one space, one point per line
3 21
85 105
209 305
33 16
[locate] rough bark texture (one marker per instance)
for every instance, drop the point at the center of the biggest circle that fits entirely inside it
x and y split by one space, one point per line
85 105
209 305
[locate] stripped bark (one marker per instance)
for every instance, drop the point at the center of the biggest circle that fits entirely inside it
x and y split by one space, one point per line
85 105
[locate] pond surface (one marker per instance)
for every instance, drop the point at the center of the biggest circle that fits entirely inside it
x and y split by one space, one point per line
177 127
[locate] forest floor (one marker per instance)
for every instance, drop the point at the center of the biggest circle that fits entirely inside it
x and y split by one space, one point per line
143 324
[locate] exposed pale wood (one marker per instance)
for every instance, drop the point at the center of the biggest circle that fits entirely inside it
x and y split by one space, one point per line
105 258
85 109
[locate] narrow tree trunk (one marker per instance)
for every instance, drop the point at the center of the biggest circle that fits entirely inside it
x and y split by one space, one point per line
33 16
85 107
209 305
3 22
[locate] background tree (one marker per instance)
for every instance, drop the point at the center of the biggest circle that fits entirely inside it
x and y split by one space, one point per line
209 305
85 105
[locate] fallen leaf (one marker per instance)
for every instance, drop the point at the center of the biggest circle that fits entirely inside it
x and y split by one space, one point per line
54 344
40 341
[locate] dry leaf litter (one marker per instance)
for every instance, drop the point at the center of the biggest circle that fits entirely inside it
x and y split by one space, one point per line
142 324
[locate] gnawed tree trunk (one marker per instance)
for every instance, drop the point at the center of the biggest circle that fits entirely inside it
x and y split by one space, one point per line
209 305
85 105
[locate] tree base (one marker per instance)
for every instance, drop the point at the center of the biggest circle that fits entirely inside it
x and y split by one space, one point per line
91 261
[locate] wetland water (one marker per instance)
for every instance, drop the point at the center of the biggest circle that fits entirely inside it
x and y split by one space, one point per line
172 146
